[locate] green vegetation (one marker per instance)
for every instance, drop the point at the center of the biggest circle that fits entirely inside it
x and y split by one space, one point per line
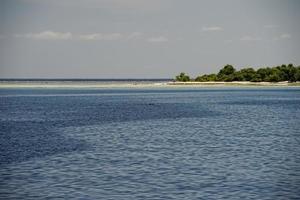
182 77
228 73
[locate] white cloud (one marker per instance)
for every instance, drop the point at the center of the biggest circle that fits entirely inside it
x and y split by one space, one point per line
271 26
158 39
47 35
100 36
134 35
145 5
285 36
132 3
212 28
2 37
51 35
250 38
282 37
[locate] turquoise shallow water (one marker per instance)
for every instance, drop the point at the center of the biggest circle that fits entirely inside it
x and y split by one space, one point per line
188 143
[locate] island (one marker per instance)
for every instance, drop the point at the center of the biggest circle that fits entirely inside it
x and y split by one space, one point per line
278 75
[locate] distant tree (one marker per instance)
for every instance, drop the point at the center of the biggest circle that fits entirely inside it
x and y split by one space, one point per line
297 74
228 78
227 70
283 72
202 78
212 77
291 72
237 76
226 73
256 78
205 78
280 71
274 77
248 74
182 77
263 73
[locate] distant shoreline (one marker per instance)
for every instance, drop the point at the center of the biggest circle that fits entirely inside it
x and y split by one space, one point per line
235 83
138 84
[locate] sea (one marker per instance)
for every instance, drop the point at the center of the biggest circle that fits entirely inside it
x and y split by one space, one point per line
150 143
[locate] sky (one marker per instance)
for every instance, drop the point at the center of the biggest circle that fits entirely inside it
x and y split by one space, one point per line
144 38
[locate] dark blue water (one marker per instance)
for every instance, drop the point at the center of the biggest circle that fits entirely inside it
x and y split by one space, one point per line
209 143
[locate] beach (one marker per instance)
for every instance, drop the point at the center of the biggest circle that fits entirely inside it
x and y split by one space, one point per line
138 84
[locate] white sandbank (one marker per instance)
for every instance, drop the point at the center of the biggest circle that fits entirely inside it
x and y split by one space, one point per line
82 85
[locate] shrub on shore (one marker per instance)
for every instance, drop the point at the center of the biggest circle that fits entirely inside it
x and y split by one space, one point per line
182 77
228 73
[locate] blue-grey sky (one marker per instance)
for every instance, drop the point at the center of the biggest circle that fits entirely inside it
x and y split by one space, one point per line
144 38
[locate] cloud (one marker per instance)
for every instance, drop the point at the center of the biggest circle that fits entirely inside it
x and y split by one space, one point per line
285 36
212 28
100 36
51 35
132 3
250 38
158 39
47 35
134 35
271 26
145 5
2 37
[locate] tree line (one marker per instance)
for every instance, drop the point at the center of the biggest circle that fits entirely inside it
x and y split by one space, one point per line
228 73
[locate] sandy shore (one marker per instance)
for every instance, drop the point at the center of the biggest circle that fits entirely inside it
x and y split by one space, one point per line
79 85
235 83
29 84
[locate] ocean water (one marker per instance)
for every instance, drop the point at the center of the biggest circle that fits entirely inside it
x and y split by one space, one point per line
147 143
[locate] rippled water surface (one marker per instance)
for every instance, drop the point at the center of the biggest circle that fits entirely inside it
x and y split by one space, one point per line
209 143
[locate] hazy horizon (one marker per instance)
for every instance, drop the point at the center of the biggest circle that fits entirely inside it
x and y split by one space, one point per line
121 39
